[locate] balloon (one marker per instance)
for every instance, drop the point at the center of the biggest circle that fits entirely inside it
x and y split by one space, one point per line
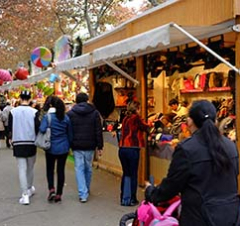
5 75
41 56
22 73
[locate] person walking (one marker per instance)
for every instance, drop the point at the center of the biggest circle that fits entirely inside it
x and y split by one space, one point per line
204 171
131 140
23 127
61 136
87 137
6 112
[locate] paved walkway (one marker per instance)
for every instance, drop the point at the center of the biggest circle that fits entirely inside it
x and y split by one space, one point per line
102 209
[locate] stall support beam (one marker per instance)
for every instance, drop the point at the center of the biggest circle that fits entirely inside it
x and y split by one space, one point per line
123 73
142 97
69 75
237 90
92 81
206 48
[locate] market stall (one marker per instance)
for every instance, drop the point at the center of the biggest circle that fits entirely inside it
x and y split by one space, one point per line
153 34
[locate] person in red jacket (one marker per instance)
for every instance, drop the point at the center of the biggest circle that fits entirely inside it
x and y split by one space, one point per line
132 139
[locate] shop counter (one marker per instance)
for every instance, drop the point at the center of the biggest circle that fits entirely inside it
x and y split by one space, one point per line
160 156
109 159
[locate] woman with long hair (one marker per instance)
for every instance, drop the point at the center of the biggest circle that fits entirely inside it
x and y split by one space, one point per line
61 136
130 143
204 171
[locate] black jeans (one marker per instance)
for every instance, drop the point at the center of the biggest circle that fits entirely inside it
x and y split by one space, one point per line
129 158
50 165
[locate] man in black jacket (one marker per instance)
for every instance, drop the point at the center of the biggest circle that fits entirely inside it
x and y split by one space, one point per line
87 137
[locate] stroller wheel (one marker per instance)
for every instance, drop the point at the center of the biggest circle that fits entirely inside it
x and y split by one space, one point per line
127 219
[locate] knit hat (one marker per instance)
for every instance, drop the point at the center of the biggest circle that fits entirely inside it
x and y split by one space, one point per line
25 95
81 97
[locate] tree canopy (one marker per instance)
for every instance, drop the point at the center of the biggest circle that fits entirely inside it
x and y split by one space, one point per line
27 24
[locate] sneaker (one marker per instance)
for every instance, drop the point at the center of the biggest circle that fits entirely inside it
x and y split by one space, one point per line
31 191
58 199
52 195
83 200
24 200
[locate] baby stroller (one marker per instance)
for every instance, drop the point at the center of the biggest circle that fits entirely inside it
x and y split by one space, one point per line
165 214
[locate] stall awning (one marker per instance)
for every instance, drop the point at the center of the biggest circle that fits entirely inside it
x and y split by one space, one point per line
77 62
163 37
30 79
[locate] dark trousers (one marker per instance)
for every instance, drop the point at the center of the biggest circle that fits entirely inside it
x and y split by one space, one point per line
50 165
7 136
129 158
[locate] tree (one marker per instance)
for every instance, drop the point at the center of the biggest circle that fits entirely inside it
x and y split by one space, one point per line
93 15
25 25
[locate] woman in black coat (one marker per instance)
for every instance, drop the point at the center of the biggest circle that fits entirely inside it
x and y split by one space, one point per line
204 171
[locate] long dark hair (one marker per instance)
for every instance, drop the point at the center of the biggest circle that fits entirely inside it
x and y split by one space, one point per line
203 114
47 103
56 102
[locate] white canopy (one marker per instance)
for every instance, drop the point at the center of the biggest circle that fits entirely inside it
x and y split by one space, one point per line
163 37
77 62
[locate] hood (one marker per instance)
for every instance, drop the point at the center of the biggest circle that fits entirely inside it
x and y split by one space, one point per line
83 108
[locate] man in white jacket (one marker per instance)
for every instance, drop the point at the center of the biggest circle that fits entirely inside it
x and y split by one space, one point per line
23 127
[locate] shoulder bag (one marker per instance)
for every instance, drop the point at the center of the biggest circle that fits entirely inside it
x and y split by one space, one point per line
43 140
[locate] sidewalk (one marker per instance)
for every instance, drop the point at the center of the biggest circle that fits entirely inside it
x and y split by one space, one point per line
102 208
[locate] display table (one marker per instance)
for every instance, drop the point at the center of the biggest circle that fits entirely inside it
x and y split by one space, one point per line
161 150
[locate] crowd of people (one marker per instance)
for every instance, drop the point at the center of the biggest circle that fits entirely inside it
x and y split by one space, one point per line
19 126
203 171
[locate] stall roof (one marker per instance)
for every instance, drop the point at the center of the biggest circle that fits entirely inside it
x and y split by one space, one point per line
77 62
163 37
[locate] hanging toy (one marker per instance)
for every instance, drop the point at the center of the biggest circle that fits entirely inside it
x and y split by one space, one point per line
41 56
22 73
5 75
54 78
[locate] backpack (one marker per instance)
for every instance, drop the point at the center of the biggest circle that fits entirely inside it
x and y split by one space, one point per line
149 215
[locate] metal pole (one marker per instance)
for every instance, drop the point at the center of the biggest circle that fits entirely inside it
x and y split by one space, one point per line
123 73
205 47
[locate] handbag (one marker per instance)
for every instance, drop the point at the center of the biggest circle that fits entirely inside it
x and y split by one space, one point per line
43 140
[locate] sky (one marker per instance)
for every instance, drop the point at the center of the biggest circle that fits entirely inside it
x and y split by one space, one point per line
135 3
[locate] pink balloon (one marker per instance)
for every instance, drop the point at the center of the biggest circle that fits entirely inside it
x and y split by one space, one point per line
5 75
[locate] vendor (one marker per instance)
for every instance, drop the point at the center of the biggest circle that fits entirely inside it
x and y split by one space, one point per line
177 108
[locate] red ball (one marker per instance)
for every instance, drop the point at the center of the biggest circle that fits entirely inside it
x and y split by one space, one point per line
22 73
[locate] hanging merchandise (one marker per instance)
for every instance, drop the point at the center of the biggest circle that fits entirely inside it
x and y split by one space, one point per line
41 57
103 98
22 73
44 89
54 78
5 75
63 48
48 91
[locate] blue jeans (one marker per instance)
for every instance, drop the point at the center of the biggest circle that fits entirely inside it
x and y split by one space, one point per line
129 158
83 171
